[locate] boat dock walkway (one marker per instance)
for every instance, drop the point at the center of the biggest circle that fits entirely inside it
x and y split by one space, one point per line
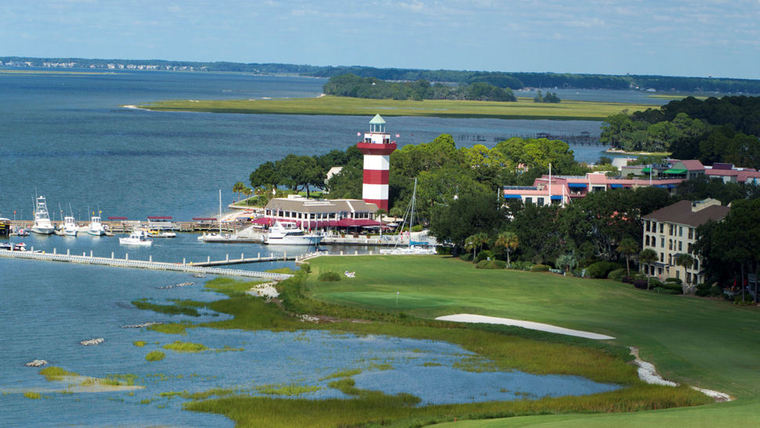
243 260
144 264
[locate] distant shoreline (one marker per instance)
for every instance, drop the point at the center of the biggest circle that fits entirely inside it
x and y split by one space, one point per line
614 151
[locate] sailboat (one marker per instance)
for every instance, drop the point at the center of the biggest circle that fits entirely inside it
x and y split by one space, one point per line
42 224
412 247
218 237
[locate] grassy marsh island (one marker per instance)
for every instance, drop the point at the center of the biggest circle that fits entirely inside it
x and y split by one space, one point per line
524 108
431 286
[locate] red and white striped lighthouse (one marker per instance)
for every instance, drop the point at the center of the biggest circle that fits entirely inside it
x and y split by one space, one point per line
377 148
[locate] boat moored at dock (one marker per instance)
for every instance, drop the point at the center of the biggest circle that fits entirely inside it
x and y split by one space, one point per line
42 224
96 227
287 233
70 227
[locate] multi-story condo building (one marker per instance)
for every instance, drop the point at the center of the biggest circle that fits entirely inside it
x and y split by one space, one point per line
671 231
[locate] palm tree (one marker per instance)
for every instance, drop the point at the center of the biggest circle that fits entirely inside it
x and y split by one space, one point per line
627 248
509 241
475 242
567 261
647 256
238 188
686 260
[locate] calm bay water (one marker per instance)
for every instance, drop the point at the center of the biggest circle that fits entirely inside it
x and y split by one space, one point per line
66 136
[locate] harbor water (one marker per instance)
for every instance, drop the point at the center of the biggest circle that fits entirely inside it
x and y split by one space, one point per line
67 137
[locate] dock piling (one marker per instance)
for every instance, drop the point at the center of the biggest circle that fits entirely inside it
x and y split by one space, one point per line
227 257
54 251
126 256
111 255
150 258
90 253
208 259
183 261
68 253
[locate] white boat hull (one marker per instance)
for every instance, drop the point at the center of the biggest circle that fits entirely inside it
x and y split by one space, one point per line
43 230
293 240
138 242
95 232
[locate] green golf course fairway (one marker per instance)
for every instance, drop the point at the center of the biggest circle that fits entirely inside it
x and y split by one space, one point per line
524 108
706 343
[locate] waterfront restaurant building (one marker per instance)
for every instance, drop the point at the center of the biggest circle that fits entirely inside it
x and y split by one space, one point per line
673 230
322 214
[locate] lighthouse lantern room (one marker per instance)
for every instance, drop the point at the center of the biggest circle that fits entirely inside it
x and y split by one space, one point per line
376 148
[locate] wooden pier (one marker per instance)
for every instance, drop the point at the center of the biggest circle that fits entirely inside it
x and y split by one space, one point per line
143 264
243 260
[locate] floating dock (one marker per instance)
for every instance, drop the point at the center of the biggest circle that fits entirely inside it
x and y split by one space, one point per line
144 264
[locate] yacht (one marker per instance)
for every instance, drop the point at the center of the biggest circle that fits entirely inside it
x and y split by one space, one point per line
282 233
42 224
137 237
96 227
70 227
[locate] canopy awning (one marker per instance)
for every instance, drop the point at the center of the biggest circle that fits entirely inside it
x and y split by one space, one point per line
159 218
674 171
616 186
512 197
577 185
361 222
646 170
556 198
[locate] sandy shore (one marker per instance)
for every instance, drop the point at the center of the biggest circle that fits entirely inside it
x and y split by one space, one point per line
530 325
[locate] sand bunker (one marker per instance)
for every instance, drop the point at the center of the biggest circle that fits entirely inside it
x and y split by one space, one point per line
530 325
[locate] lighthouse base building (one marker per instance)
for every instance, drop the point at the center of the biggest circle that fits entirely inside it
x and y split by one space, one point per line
376 146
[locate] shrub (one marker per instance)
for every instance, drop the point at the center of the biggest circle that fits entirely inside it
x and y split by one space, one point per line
521 265
640 283
716 291
617 274
703 290
329 276
654 283
306 267
484 255
674 280
601 269
539 268
417 228
491 264
466 256
443 250
672 287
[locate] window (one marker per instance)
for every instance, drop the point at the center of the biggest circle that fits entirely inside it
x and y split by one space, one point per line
662 242
678 274
659 271
646 240
670 244
680 231
670 229
680 245
540 202
662 258
670 259
691 233
647 225
690 248
688 278
528 200
696 264
662 227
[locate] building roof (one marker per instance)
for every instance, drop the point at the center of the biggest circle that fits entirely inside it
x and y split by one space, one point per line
688 213
377 120
691 165
320 205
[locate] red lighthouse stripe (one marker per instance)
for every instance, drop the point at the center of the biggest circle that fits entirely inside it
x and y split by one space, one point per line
382 204
372 176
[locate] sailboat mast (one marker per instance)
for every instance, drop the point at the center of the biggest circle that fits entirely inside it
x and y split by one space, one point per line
220 212
411 215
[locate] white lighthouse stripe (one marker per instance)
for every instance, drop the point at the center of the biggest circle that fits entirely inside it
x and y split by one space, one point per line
377 162
374 191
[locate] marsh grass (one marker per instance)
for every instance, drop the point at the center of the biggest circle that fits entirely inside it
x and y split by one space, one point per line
155 356
504 348
54 373
139 343
178 308
172 328
178 346
524 108
290 390
32 395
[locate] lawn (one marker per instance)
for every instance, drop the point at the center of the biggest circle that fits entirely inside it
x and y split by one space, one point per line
672 331
524 108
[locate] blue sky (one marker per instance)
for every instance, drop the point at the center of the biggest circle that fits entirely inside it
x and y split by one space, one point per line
670 37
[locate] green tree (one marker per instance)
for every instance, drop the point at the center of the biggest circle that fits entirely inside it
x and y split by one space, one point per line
475 243
627 248
567 262
266 176
469 214
509 241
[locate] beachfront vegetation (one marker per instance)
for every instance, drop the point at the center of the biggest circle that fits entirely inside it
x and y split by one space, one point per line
524 108
53 373
178 308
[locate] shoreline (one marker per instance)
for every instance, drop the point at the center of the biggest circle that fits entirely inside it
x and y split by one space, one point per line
614 151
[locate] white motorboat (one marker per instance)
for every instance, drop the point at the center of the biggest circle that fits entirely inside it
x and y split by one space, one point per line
287 233
96 227
155 233
70 227
42 224
137 237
